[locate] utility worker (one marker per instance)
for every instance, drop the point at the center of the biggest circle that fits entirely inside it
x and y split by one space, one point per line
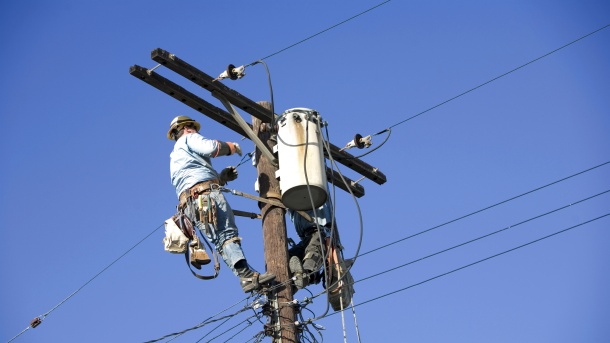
307 257
192 175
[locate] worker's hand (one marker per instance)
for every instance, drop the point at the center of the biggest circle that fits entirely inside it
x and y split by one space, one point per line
235 148
228 174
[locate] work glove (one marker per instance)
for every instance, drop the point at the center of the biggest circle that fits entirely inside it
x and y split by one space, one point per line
235 148
227 174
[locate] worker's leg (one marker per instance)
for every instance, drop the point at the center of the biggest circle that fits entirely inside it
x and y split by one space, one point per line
314 256
228 244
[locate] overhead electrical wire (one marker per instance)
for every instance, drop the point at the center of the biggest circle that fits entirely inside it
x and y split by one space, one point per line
255 304
229 329
319 33
412 262
209 320
452 98
42 317
486 208
421 113
483 84
216 327
502 75
477 262
240 331
484 236
481 237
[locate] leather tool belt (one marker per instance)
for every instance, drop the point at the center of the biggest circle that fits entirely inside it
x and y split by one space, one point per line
199 188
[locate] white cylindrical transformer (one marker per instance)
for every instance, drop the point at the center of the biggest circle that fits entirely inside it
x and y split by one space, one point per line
302 171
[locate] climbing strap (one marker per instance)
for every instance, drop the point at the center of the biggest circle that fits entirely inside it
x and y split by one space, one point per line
231 240
265 200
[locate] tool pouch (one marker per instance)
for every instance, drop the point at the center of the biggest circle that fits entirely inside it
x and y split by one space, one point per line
175 241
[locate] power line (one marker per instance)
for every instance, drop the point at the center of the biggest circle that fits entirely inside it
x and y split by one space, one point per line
480 237
209 320
486 208
42 317
240 331
484 236
321 32
229 329
498 77
477 262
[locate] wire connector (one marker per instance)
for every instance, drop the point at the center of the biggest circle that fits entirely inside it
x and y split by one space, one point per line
35 322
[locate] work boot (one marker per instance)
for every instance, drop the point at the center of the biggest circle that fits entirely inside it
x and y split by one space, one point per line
314 257
301 279
251 280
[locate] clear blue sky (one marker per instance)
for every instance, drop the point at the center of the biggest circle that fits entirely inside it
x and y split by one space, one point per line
85 163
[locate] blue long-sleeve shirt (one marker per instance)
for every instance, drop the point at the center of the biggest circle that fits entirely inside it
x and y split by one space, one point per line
190 161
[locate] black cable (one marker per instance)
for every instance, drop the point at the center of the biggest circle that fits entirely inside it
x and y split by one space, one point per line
258 337
325 291
43 316
498 77
450 99
209 320
484 209
319 33
240 331
484 236
229 329
477 262
479 86
214 329
389 130
315 215
272 116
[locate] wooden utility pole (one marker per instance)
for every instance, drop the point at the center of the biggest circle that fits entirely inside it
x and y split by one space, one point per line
274 235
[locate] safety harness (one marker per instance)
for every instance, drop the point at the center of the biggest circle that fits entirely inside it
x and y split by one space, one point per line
207 215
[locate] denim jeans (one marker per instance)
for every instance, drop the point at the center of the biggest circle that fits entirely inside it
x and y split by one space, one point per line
225 229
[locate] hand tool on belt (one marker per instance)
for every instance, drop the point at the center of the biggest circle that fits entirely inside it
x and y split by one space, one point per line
199 188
